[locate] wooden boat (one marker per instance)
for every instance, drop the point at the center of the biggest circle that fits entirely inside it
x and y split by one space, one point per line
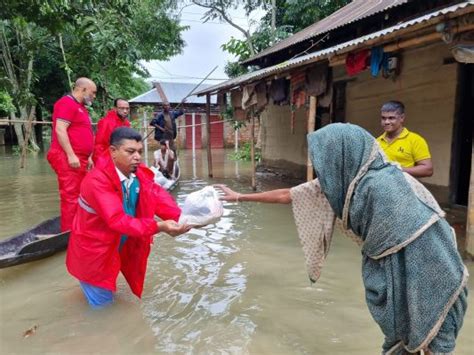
39 242
172 182
175 176
46 238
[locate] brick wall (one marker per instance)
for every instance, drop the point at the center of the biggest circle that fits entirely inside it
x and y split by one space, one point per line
244 133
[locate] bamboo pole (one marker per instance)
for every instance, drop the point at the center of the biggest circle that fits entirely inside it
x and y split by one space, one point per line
311 122
424 39
252 153
470 213
208 127
145 140
23 121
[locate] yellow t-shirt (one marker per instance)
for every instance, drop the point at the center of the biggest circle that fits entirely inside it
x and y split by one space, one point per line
407 149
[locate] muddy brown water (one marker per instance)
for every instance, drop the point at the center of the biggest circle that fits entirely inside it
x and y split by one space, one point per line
237 287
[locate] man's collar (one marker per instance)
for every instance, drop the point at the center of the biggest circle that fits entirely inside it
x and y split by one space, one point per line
122 177
72 97
402 134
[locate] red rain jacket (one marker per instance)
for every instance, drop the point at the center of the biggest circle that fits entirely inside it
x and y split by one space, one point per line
93 251
105 128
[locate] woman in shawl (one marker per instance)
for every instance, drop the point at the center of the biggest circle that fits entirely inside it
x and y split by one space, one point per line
414 278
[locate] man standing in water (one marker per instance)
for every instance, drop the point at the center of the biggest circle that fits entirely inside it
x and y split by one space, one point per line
117 117
400 145
165 125
72 143
114 224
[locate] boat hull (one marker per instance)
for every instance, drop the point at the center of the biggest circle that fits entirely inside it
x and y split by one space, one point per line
41 241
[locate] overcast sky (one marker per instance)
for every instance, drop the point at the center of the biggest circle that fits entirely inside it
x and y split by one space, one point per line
202 51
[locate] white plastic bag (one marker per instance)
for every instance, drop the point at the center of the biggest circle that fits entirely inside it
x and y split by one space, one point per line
160 179
202 207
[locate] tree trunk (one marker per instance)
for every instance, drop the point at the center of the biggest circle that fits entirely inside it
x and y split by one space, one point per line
32 137
18 127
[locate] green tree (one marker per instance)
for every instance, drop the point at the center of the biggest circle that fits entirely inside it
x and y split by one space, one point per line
290 16
18 42
6 104
103 40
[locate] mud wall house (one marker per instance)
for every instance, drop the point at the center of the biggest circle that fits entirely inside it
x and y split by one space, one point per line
344 67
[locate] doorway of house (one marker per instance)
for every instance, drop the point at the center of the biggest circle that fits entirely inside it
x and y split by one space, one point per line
462 137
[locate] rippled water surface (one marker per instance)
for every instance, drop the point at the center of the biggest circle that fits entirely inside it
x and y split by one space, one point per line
237 287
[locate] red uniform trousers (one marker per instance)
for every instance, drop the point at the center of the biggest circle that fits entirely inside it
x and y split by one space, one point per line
69 181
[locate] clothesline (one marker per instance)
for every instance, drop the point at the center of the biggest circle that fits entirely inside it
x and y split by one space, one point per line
148 128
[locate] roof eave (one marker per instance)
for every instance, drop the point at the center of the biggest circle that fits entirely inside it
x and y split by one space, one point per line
375 38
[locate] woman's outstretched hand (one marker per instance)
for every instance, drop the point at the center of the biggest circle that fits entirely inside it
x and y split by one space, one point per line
272 196
229 194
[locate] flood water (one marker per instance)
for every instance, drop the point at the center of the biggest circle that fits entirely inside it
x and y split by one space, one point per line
237 287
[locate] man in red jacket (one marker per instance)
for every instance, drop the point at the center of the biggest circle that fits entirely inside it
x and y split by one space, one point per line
117 117
114 224
72 142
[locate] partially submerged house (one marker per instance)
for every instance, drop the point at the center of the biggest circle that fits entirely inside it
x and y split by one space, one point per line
344 67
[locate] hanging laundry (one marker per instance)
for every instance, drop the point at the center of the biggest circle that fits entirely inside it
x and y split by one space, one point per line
298 81
249 96
298 89
378 60
262 99
325 100
316 80
299 100
356 62
298 95
236 98
222 101
279 91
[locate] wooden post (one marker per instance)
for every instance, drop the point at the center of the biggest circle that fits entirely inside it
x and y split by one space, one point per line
252 153
145 140
28 128
470 213
193 130
311 122
208 125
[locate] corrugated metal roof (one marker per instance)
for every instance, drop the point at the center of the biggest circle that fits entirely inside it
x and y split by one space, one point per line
175 92
352 12
326 53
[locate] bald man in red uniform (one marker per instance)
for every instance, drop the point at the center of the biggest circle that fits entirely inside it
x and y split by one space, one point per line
72 143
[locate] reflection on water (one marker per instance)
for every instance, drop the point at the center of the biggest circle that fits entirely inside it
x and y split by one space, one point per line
235 287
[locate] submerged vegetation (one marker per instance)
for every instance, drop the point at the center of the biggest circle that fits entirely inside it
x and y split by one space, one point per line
244 153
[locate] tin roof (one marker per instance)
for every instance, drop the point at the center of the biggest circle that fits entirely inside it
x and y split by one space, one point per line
175 92
352 12
328 52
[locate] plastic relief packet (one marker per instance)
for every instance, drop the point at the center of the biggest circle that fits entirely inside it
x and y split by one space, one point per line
202 207
160 179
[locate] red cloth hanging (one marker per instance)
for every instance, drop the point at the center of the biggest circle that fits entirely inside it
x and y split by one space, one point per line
357 62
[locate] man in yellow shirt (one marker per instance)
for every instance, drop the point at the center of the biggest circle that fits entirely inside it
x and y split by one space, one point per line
400 145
